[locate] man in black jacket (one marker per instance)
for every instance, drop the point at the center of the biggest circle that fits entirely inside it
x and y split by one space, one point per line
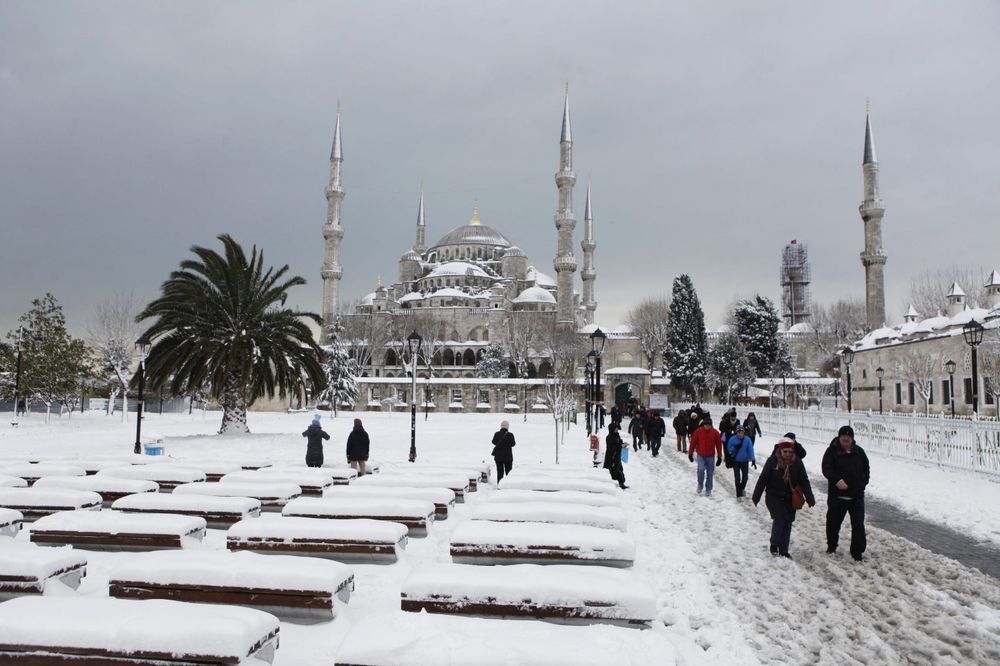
656 428
503 455
358 446
315 435
680 424
846 468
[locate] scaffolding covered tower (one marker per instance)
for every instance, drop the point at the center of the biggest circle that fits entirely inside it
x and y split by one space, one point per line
796 304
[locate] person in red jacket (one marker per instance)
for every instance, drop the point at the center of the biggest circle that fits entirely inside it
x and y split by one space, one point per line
707 442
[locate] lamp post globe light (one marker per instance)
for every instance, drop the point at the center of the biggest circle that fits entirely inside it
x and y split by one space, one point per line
880 373
973 333
142 345
848 355
413 341
950 367
597 341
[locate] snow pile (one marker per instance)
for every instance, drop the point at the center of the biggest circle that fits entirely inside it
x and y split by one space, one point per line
114 522
456 482
98 484
304 478
35 563
439 496
187 504
226 569
162 473
10 522
563 496
46 498
27 471
368 507
620 593
125 626
421 639
210 467
289 528
271 491
562 471
528 481
581 541
612 518
12 482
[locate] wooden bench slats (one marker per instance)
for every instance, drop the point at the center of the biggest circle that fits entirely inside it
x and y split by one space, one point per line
567 496
168 475
219 512
33 472
456 483
609 518
113 530
442 498
552 483
10 522
27 569
271 495
415 514
312 482
109 488
35 503
343 540
489 542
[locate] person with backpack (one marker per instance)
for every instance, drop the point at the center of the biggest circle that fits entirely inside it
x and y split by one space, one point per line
740 448
847 471
315 435
785 486
613 445
655 430
503 450
707 442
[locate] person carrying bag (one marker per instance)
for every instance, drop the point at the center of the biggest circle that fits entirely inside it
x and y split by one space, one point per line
784 483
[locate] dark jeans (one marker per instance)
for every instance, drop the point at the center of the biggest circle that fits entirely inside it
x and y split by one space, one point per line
781 535
836 509
740 470
503 468
655 445
618 474
682 442
636 442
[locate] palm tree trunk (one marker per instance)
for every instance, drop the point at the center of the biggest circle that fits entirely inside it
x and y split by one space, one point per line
234 407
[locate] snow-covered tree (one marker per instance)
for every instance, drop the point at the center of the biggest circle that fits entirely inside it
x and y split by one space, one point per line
493 364
756 323
928 288
340 369
648 321
523 332
728 367
686 350
563 347
112 332
920 367
834 326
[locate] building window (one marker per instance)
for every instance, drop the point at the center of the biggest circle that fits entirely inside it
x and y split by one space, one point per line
930 389
967 385
511 397
945 392
864 373
376 395
401 395
912 390
899 393
484 396
456 395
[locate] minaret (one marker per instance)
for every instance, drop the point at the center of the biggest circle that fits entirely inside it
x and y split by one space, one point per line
565 261
333 233
421 245
588 274
872 209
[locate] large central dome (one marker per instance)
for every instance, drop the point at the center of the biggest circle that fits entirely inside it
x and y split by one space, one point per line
474 234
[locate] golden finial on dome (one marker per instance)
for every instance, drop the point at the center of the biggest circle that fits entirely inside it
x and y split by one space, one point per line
475 212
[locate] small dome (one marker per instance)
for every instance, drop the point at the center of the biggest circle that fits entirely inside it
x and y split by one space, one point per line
457 268
368 299
412 255
801 327
535 295
514 251
449 292
411 296
540 278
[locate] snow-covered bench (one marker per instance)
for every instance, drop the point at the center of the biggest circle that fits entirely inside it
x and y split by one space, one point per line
557 592
12 482
442 498
213 469
488 542
342 540
563 496
27 569
34 503
109 488
371 467
415 514
168 475
474 472
97 631
528 481
272 495
457 483
113 530
32 473
312 482
220 512
561 471
605 517
424 639
10 522
91 465
293 588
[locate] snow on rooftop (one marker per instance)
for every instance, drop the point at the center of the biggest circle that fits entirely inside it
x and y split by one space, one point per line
801 327
955 290
535 295
457 268
539 278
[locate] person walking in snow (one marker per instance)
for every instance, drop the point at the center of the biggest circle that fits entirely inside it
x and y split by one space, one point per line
707 442
616 415
635 428
358 446
680 429
781 477
503 450
740 448
655 431
751 427
613 445
315 435
847 471
800 451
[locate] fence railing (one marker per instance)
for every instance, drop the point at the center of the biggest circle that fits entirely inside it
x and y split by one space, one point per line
964 444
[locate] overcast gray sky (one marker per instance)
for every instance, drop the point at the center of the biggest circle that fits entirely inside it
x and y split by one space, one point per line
714 133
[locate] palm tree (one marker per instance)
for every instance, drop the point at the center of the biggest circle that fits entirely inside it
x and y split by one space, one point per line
221 325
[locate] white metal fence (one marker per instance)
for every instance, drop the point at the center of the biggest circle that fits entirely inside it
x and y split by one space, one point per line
957 443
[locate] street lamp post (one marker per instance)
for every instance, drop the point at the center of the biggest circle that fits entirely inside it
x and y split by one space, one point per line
950 367
588 378
973 334
427 393
848 355
597 340
880 373
413 341
784 391
17 376
142 345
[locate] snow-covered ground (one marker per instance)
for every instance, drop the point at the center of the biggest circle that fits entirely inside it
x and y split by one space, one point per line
721 598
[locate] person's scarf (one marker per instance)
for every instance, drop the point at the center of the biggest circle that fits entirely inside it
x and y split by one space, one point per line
786 466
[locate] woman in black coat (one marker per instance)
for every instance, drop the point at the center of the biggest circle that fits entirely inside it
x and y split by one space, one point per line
315 435
782 473
614 444
751 427
358 446
503 455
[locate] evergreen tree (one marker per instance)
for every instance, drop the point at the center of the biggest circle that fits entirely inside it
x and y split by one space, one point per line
686 349
340 369
728 367
53 363
493 364
756 322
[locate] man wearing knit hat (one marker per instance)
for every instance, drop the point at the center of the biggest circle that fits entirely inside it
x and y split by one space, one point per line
847 471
